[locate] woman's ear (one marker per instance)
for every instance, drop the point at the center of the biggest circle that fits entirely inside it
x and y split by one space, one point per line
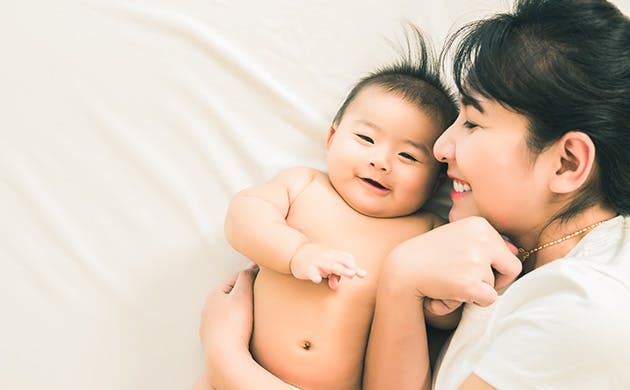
329 136
574 159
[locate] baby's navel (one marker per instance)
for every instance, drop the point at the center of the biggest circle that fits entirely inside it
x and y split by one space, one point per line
306 345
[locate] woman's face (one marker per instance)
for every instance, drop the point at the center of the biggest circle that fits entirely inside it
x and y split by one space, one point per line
494 173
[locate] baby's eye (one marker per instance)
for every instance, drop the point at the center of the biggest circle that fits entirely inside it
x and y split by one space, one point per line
407 156
365 138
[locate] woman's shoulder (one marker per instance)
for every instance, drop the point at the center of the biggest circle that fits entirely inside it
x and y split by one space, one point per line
600 259
594 278
583 296
592 282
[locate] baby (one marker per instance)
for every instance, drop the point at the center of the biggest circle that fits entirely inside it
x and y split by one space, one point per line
305 226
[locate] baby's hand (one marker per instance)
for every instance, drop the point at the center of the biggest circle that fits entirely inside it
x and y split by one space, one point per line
315 262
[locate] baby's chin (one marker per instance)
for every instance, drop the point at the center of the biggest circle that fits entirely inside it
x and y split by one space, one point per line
381 213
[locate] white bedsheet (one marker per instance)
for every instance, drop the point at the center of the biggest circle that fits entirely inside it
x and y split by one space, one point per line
125 128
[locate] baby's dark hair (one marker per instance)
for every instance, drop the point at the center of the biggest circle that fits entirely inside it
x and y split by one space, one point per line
415 78
565 65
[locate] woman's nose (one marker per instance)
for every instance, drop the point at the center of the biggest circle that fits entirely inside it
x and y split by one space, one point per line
444 148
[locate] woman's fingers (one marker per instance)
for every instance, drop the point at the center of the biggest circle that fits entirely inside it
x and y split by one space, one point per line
511 247
228 285
245 280
506 265
482 294
441 307
470 271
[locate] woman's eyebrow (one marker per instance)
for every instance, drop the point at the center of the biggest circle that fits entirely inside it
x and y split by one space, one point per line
468 100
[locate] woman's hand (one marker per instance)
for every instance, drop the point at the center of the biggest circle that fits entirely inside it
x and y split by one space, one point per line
226 327
436 309
463 261
226 324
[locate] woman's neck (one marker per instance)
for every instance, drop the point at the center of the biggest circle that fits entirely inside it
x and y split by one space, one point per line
558 238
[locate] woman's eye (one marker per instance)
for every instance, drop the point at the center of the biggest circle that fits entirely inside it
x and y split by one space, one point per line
365 138
469 125
408 156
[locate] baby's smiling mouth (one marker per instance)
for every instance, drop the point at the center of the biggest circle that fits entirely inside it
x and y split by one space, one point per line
374 183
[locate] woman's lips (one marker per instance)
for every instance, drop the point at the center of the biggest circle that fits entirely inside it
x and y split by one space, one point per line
460 189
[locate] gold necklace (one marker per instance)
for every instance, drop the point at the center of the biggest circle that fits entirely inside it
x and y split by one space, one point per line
523 254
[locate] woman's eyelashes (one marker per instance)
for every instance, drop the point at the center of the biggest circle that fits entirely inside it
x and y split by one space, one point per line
470 125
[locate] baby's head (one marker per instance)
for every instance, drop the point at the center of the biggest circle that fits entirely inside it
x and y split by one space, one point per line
379 147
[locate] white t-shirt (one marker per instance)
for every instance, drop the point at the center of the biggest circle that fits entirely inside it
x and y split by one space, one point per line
565 325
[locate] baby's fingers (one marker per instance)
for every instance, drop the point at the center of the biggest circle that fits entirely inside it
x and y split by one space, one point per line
340 269
348 267
312 273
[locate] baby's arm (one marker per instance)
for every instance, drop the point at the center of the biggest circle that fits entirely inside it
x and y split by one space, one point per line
256 227
255 223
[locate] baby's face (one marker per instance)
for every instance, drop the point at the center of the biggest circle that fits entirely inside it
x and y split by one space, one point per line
380 155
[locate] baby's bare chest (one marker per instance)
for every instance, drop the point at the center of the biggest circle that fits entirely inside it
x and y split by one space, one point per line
323 216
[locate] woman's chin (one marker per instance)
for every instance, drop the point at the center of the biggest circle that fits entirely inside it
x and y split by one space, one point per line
462 209
454 216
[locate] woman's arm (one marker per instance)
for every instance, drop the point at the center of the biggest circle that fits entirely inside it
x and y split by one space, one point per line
465 261
225 330
442 314
439 313
431 266
397 356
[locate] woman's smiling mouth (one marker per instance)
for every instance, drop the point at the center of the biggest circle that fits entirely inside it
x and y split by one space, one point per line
460 189
461 186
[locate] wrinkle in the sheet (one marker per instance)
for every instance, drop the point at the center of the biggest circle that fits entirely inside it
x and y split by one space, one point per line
147 158
58 225
206 39
218 132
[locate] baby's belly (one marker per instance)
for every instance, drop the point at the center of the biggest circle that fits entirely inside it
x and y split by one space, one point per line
308 335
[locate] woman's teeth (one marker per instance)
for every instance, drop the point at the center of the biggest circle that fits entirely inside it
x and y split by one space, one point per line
460 186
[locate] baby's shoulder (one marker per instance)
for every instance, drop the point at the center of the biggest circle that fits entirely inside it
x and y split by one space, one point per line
298 178
426 218
301 174
419 222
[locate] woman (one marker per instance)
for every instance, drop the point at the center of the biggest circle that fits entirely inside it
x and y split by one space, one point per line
539 153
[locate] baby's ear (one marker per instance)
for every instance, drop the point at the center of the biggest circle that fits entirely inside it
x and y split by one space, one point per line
574 160
329 136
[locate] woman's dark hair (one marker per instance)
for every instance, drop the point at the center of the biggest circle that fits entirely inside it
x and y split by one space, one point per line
565 65
415 78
